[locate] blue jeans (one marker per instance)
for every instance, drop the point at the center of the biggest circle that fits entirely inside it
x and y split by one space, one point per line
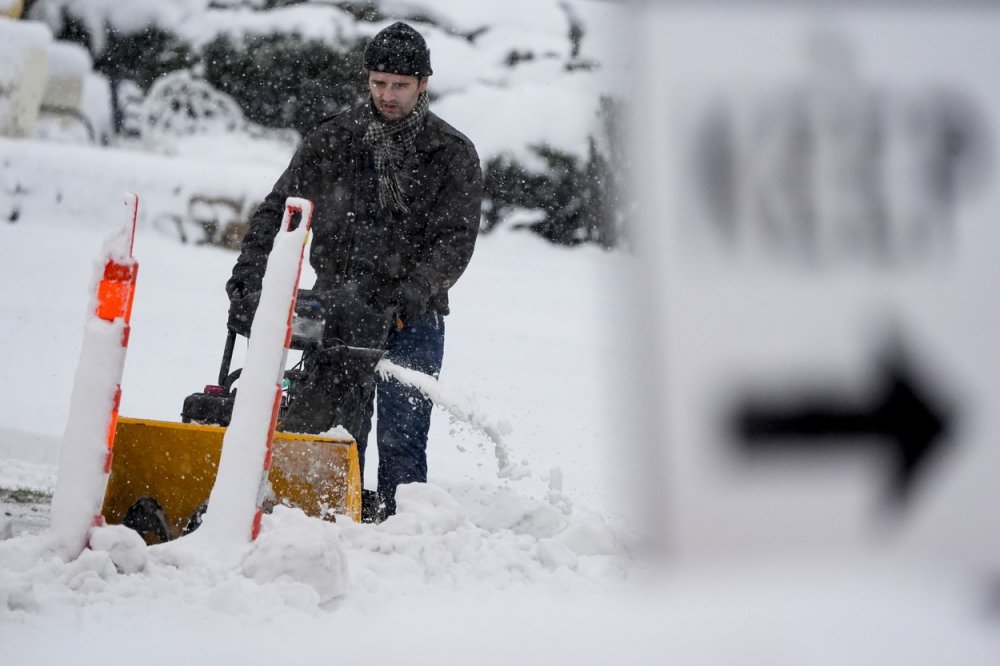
404 414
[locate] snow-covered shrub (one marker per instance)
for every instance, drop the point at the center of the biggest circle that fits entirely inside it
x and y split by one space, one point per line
282 80
126 58
577 200
290 63
296 550
179 105
141 55
570 193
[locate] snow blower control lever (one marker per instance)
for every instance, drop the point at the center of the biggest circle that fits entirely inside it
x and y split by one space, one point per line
214 405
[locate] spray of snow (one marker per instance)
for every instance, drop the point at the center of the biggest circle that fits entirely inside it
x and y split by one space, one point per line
462 409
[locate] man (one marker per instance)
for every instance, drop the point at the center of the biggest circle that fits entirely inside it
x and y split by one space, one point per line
397 194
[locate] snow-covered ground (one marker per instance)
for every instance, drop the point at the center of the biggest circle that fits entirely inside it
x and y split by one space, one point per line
550 568
545 569
526 345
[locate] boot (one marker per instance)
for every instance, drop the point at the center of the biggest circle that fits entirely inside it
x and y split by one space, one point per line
372 507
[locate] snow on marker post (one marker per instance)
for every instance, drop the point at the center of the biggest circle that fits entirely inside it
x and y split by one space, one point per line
88 442
235 505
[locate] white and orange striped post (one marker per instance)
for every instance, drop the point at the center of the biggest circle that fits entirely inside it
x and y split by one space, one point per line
88 442
235 505
115 293
304 207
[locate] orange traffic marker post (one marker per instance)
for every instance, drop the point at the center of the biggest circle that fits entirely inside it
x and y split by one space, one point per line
88 441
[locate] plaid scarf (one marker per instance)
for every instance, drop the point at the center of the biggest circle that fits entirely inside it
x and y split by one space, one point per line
391 142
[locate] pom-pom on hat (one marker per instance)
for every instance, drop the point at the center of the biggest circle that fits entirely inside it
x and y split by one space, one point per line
398 49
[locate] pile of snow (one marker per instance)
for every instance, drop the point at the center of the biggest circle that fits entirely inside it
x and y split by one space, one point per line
434 585
434 544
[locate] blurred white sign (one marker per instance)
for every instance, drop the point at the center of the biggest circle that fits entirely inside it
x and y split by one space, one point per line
822 230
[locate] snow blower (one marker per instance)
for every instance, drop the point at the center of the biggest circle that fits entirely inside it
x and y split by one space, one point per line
163 472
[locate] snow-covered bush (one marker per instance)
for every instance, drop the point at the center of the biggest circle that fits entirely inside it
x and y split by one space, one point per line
142 55
577 199
283 80
523 79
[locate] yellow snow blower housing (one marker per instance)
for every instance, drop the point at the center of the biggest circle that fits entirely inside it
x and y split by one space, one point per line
175 464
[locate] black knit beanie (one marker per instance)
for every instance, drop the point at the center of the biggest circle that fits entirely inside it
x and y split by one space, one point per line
398 49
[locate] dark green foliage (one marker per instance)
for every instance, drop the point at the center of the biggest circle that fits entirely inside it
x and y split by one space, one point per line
362 11
27 7
281 80
143 56
572 193
24 496
507 184
369 12
74 30
516 57
578 198
140 56
271 4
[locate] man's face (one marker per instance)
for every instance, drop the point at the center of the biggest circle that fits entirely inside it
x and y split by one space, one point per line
395 95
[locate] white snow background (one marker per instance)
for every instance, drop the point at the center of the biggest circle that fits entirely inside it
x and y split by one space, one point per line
544 569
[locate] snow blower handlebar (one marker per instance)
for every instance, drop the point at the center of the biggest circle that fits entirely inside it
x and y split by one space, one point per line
308 322
322 320
214 405
307 329
227 359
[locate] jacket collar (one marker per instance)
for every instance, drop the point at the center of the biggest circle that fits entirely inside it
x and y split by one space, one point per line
429 138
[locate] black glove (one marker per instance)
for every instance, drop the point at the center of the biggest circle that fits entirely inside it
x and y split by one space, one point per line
242 306
236 289
409 301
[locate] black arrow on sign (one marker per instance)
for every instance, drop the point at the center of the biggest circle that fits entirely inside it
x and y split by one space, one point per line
899 417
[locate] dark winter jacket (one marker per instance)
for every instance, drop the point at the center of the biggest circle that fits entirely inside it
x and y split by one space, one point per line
354 239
